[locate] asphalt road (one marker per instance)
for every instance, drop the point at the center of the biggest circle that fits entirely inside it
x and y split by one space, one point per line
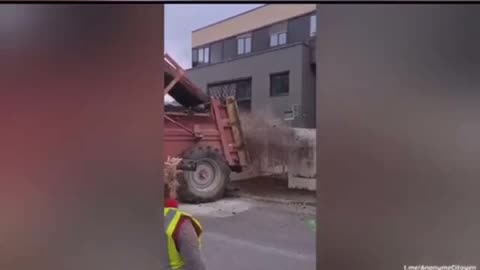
245 234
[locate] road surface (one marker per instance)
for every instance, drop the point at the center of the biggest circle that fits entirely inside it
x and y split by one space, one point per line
245 234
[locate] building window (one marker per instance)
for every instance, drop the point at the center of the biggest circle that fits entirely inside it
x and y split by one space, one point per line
194 57
216 52
240 89
282 38
204 55
278 34
244 44
278 39
313 25
200 55
279 84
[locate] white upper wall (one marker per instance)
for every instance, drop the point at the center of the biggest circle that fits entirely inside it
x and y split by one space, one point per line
250 20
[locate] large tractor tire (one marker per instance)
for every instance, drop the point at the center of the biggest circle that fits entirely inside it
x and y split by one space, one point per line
210 179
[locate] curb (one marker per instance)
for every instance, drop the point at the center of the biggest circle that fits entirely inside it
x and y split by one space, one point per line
274 200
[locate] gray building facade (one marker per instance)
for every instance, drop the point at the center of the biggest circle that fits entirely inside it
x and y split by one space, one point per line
265 58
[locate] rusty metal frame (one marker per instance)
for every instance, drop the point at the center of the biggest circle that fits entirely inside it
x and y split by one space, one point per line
172 68
237 132
179 70
221 125
179 125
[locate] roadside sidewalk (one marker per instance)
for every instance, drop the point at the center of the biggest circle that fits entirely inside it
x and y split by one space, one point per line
271 189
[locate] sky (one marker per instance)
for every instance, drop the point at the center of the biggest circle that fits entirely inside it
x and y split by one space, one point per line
182 19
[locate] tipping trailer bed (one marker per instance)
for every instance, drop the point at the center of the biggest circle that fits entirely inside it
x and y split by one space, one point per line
205 132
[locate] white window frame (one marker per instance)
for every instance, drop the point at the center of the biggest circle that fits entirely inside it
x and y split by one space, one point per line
206 56
276 37
273 37
203 55
200 55
249 39
279 39
240 46
313 25
277 30
244 40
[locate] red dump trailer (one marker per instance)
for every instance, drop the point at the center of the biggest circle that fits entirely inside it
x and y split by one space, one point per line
205 132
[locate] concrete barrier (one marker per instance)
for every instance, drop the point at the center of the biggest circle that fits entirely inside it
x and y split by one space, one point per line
299 166
302 168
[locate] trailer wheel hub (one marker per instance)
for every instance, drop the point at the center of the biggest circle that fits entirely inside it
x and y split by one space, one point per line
205 174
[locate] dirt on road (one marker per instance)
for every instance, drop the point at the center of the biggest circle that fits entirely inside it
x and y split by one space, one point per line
272 189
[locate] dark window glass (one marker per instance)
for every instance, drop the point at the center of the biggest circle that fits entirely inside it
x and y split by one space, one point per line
298 29
229 48
240 89
279 84
216 52
194 57
243 90
260 39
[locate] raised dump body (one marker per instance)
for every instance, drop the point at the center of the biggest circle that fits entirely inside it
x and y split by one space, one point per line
205 132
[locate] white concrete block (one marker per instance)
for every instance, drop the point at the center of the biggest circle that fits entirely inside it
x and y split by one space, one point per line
296 182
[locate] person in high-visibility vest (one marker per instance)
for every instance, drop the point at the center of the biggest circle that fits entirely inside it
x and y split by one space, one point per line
183 231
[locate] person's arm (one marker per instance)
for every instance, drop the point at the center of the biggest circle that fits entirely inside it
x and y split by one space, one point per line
188 246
